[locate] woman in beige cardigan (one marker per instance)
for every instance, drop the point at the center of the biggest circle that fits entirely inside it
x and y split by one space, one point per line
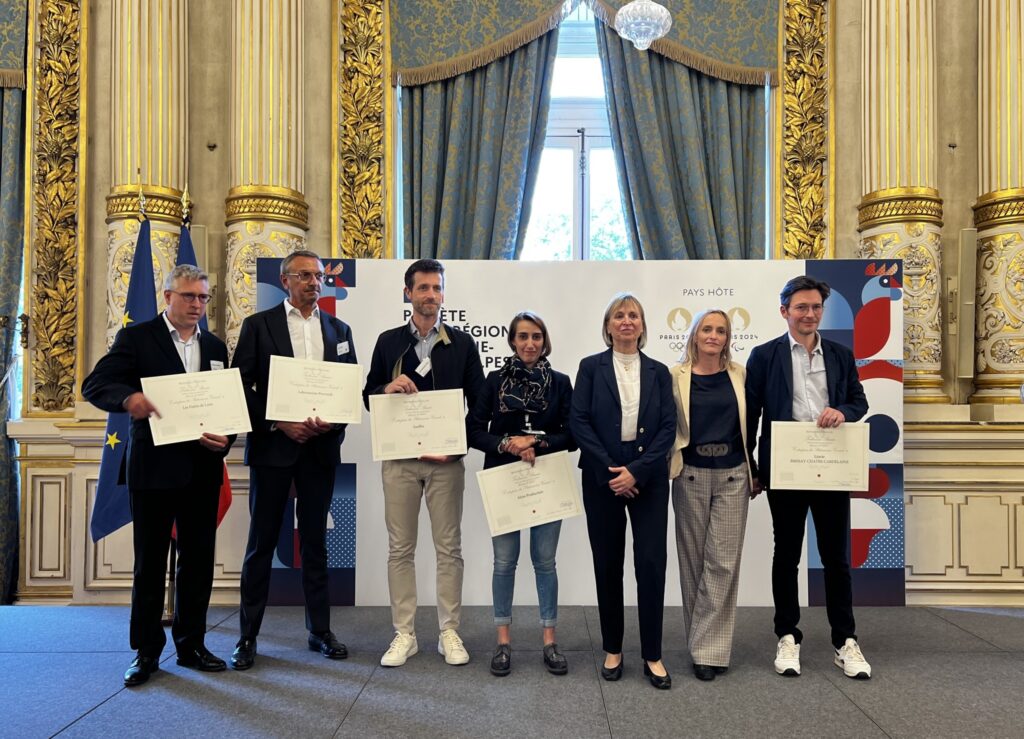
711 487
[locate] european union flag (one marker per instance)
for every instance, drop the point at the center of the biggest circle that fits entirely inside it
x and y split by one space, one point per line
112 509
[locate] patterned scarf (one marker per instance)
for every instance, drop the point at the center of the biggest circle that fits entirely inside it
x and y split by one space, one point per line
524 388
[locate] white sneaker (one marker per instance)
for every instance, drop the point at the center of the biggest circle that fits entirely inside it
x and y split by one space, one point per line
787 657
450 645
851 660
403 646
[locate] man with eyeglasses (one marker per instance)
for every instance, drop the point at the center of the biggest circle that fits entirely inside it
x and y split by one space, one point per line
801 376
282 453
169 483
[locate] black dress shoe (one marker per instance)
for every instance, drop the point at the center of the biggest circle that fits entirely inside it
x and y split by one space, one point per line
501 662
244 655
611 674
703 672
555 661
140 669
719 669
202 659
661 682
328 645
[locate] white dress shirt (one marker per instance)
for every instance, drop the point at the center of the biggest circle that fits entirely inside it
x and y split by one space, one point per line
306 335
810 388
627 377
188 351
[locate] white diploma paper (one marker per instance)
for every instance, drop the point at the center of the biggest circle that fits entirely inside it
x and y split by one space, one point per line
517 496
302 388
408 426
805 457
195 403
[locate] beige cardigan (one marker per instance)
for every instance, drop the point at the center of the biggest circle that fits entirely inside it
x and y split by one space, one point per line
681 374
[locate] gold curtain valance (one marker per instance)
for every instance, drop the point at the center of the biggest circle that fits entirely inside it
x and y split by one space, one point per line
13 29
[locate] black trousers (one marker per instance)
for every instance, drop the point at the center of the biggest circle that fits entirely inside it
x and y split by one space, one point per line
831 514
606 526
154 512
268 495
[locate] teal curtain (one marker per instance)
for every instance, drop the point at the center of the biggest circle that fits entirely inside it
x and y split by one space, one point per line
13 20
471 147
690 151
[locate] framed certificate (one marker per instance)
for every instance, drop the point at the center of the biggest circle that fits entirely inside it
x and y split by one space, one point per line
517 496
409 426
805 457
194 403
298 389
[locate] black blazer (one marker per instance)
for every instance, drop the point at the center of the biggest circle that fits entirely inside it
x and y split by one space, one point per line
596 420
487 424
769 390
266 333
147 350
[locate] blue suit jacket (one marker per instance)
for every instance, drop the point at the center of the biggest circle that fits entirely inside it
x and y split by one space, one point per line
596 420
769 390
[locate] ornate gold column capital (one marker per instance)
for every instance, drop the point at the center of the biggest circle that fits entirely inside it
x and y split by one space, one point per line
899 205
999 208
162 203
266 203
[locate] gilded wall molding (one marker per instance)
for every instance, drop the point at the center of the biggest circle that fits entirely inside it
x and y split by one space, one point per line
162 203
359 130
999 208
805 138
899 205
266 203
57 130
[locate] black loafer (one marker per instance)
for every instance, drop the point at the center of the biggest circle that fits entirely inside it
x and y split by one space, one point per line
202 659
244 655
501 662
328 645
703 672
611 674
555 661
661 682
140 669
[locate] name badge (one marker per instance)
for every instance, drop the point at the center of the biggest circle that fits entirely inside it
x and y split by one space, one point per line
342 348
216 364
424 369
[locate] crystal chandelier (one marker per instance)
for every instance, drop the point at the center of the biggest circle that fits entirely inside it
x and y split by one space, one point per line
642 21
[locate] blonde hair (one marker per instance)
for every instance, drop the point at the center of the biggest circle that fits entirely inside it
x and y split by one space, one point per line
617 301
690 355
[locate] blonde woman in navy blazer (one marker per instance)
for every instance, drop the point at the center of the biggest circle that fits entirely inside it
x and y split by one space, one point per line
623 418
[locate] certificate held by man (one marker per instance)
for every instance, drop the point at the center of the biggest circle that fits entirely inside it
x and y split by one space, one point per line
807 457
298 389
195 403
408 426
517 495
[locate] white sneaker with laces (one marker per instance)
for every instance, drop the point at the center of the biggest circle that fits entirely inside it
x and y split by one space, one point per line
787 657
403 646
450 645
851 660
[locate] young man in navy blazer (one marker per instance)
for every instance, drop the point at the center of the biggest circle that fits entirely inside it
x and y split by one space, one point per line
169 483
280 453
802 377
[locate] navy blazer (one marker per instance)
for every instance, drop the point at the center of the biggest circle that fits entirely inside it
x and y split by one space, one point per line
769 389
596 420
487 424
147 350
266 333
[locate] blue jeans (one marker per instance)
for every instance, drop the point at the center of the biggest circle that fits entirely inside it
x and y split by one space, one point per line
543 543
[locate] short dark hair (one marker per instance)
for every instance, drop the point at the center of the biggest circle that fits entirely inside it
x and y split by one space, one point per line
286 263
532 318
803 282
423 265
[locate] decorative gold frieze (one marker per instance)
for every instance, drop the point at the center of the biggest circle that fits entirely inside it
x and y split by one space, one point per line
162 203
999 329
899 205
266 203
999 208
805 137
55 201
360 84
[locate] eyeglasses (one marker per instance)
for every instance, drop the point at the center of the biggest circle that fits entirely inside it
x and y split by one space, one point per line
193 297
307 276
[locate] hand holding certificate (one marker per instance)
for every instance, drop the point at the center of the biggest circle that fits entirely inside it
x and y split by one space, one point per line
517 495
806 457
195 403
298 389
431 423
